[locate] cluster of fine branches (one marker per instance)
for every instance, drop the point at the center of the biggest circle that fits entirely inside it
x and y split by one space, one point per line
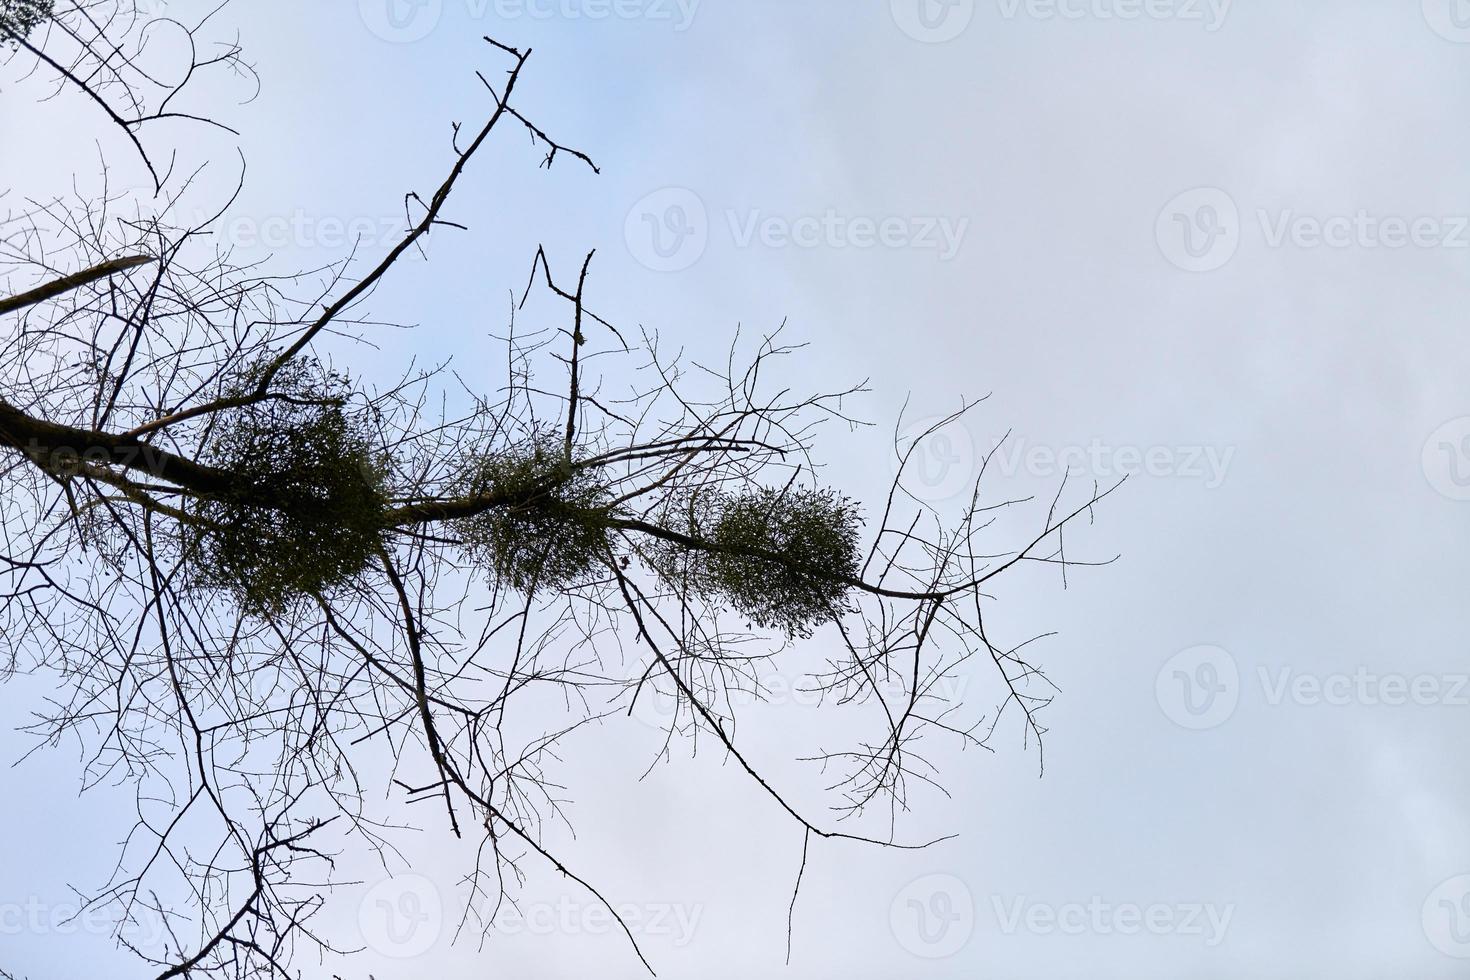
261 582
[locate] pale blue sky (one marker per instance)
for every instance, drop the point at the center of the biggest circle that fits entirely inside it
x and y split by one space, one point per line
1300 512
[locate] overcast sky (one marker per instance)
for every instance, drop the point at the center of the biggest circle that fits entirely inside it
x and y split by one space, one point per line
1220 247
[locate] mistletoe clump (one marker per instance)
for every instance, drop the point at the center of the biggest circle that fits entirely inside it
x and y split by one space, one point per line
306 510
784 558
549 530
19 17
